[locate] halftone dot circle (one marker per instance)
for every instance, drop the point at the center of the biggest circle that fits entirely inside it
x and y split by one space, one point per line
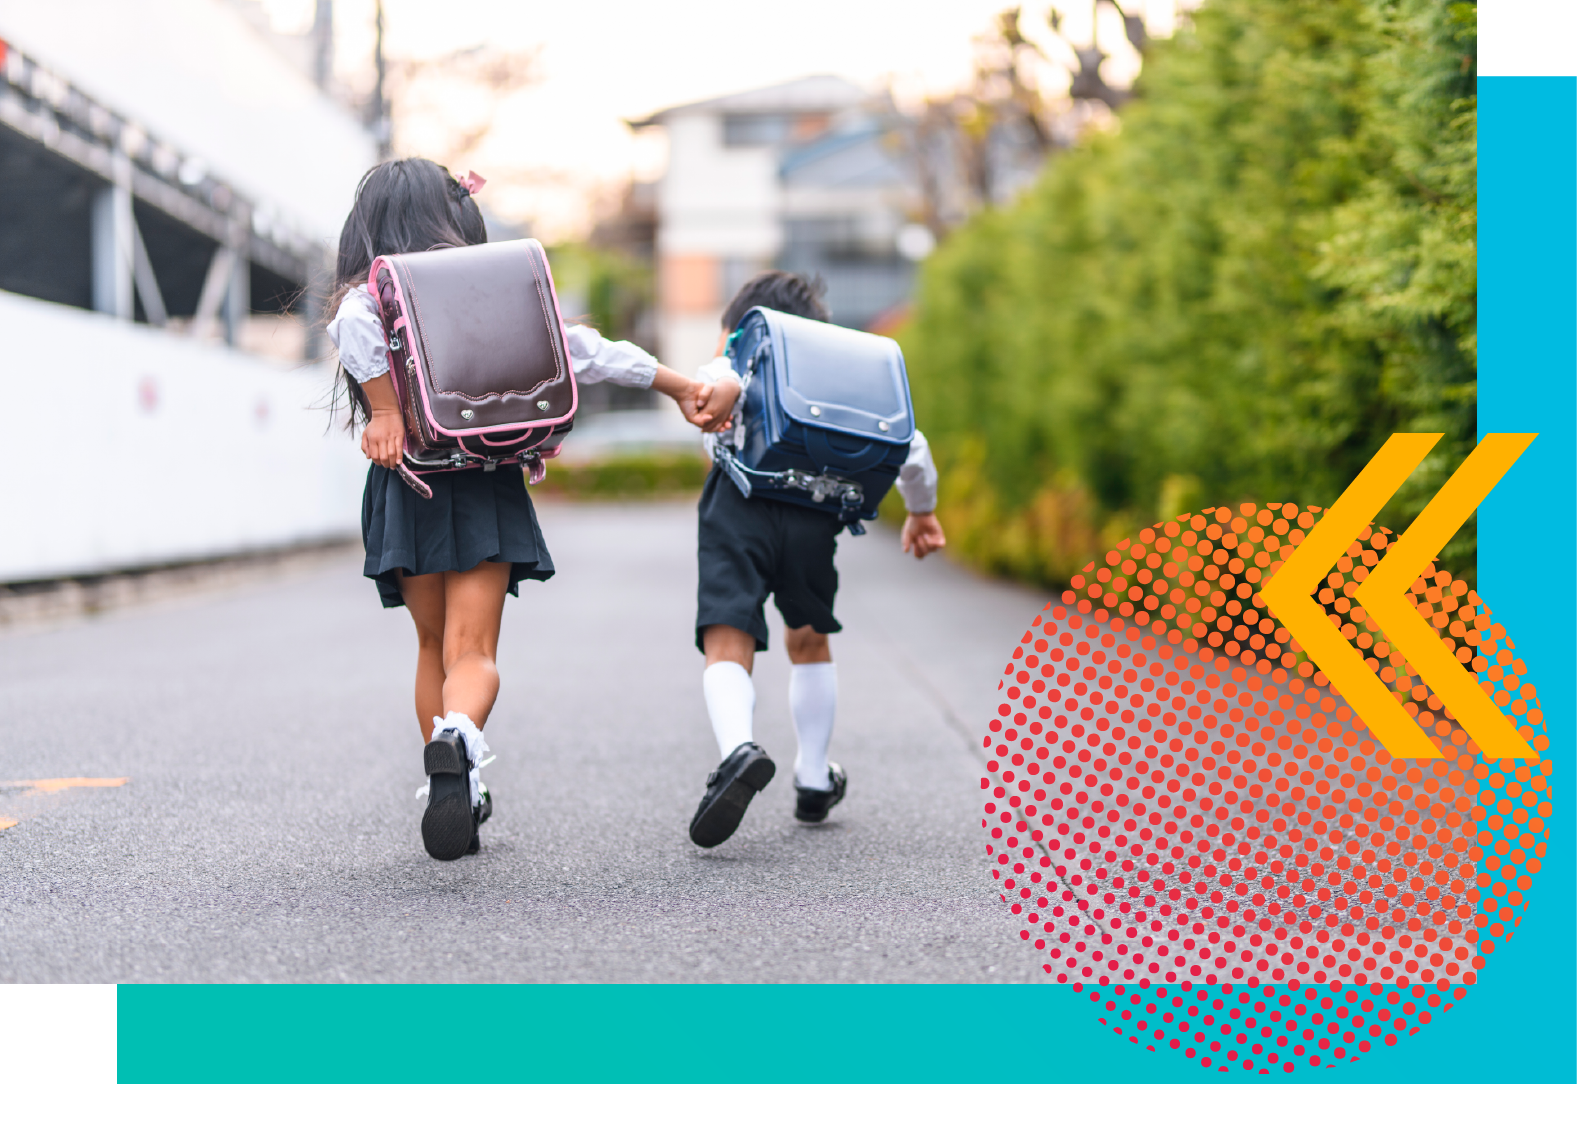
1198 834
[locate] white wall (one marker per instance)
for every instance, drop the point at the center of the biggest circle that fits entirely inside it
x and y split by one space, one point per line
129 446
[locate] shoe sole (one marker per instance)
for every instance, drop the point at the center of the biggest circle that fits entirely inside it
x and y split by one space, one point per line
721 819
448 831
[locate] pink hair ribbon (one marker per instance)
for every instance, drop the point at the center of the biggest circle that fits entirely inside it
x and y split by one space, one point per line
471 182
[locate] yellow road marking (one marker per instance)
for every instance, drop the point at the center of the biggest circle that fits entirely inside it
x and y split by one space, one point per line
55 785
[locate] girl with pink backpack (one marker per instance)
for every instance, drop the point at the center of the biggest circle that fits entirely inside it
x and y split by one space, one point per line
452 556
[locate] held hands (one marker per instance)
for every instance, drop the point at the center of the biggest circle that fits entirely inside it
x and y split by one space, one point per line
717 401
698 401
921 535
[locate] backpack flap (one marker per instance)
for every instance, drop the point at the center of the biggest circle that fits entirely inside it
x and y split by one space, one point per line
489 348
835 380
826 413
478 356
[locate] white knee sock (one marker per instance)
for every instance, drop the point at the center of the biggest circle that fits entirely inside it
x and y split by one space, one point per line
814 688
727 689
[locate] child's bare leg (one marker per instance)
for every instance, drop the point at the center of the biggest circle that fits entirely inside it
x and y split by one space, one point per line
458 629
723 642
806 646
425 600
474 601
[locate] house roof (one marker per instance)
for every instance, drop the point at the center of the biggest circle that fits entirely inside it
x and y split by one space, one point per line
852 154
811 95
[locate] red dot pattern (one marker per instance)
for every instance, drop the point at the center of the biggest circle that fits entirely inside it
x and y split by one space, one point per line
1193 829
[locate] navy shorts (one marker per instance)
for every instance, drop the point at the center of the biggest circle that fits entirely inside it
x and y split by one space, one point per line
748 549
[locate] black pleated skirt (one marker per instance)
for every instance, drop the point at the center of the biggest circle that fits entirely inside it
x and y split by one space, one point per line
475 516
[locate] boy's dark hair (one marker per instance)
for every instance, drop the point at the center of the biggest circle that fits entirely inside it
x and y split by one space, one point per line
778 290
407 204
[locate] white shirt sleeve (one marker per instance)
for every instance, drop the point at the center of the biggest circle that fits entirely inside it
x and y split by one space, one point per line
918 482
711 374
358 335
595 358
716 371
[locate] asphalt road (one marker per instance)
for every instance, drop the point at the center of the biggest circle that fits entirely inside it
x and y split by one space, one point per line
267 829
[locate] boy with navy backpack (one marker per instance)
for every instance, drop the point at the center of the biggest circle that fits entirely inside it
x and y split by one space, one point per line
780 540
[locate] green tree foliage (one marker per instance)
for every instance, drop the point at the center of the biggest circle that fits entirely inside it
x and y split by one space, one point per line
1236 293
615 287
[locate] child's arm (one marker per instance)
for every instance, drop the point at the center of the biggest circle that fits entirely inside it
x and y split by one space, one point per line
385 436
594 358
690 396
918 484
359 339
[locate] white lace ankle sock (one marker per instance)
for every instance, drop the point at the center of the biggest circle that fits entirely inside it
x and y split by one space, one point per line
473 742
814 690
727 689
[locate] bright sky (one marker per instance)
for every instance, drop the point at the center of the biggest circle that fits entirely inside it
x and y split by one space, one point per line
606 60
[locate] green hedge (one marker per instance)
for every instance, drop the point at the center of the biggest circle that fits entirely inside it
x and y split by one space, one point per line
627 477
1236 293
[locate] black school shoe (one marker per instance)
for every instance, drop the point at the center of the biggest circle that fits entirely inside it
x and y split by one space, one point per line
730 790
481 812
450 824
813 805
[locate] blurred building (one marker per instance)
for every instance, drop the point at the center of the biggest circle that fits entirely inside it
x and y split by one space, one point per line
161 161
171 185
848 205
720 204
818 176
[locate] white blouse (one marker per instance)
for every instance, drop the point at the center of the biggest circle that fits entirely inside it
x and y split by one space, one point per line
358 335
918 482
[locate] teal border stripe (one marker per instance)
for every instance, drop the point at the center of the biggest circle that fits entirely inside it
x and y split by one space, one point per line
1042 1033
1526 268
605 1033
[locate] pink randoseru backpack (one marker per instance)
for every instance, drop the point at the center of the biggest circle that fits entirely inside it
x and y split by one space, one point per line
478 355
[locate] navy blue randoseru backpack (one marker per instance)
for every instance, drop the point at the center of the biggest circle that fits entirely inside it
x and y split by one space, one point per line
825 412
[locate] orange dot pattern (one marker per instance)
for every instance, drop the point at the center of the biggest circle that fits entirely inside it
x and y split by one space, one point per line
1196 831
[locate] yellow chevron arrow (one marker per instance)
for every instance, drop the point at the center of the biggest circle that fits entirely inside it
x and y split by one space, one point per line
1383 595
1288 593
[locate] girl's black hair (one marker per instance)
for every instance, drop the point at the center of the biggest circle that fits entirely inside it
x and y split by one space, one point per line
778 290
406 204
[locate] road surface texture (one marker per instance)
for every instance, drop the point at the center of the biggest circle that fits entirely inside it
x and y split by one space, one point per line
267 829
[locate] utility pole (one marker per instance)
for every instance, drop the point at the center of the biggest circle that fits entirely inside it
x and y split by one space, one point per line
378 116
323 43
